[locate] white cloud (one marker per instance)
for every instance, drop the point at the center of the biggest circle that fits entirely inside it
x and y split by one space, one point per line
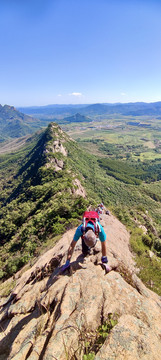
123 94
76 94
59 94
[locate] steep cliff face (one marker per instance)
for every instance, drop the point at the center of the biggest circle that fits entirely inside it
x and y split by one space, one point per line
48 313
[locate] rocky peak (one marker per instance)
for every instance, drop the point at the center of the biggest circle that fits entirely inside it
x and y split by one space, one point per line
9 107
56 153
54 149
48 312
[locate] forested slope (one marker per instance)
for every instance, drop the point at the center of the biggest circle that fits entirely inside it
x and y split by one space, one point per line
14 124
46 186
40 195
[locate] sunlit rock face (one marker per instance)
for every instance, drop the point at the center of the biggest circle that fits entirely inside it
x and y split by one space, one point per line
47 311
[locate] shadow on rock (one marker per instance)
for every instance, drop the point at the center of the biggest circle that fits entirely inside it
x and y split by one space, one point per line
8 340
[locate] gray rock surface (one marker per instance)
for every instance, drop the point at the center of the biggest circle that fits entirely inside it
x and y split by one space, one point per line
47 312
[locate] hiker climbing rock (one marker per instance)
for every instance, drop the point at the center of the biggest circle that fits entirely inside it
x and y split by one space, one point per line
89 231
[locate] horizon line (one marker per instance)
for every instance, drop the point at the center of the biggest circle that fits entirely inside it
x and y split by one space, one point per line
86 104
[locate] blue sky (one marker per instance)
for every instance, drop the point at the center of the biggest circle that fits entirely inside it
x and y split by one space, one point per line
79 51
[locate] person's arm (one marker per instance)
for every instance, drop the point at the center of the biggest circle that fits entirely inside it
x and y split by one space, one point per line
77 235
104 258
104 248
102 237
70 250
69 255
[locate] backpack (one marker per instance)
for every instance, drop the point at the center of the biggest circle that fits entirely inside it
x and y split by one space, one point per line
93 217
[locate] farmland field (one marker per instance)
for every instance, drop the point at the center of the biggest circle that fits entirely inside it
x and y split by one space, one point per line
121 137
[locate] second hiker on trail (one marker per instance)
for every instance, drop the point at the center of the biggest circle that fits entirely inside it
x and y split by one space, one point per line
89 231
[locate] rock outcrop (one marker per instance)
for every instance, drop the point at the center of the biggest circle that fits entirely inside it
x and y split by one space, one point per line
55 150
47 312
56 153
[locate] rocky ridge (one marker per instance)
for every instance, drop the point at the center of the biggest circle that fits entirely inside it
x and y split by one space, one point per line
47 311
56 153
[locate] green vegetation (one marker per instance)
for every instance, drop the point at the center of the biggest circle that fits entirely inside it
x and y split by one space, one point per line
38 202
90 342
120 170
93 341
7 287
14 124
112 136
131 172
146 248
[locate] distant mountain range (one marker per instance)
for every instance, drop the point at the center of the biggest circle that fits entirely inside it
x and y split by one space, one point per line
135 109
14 124
52 109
